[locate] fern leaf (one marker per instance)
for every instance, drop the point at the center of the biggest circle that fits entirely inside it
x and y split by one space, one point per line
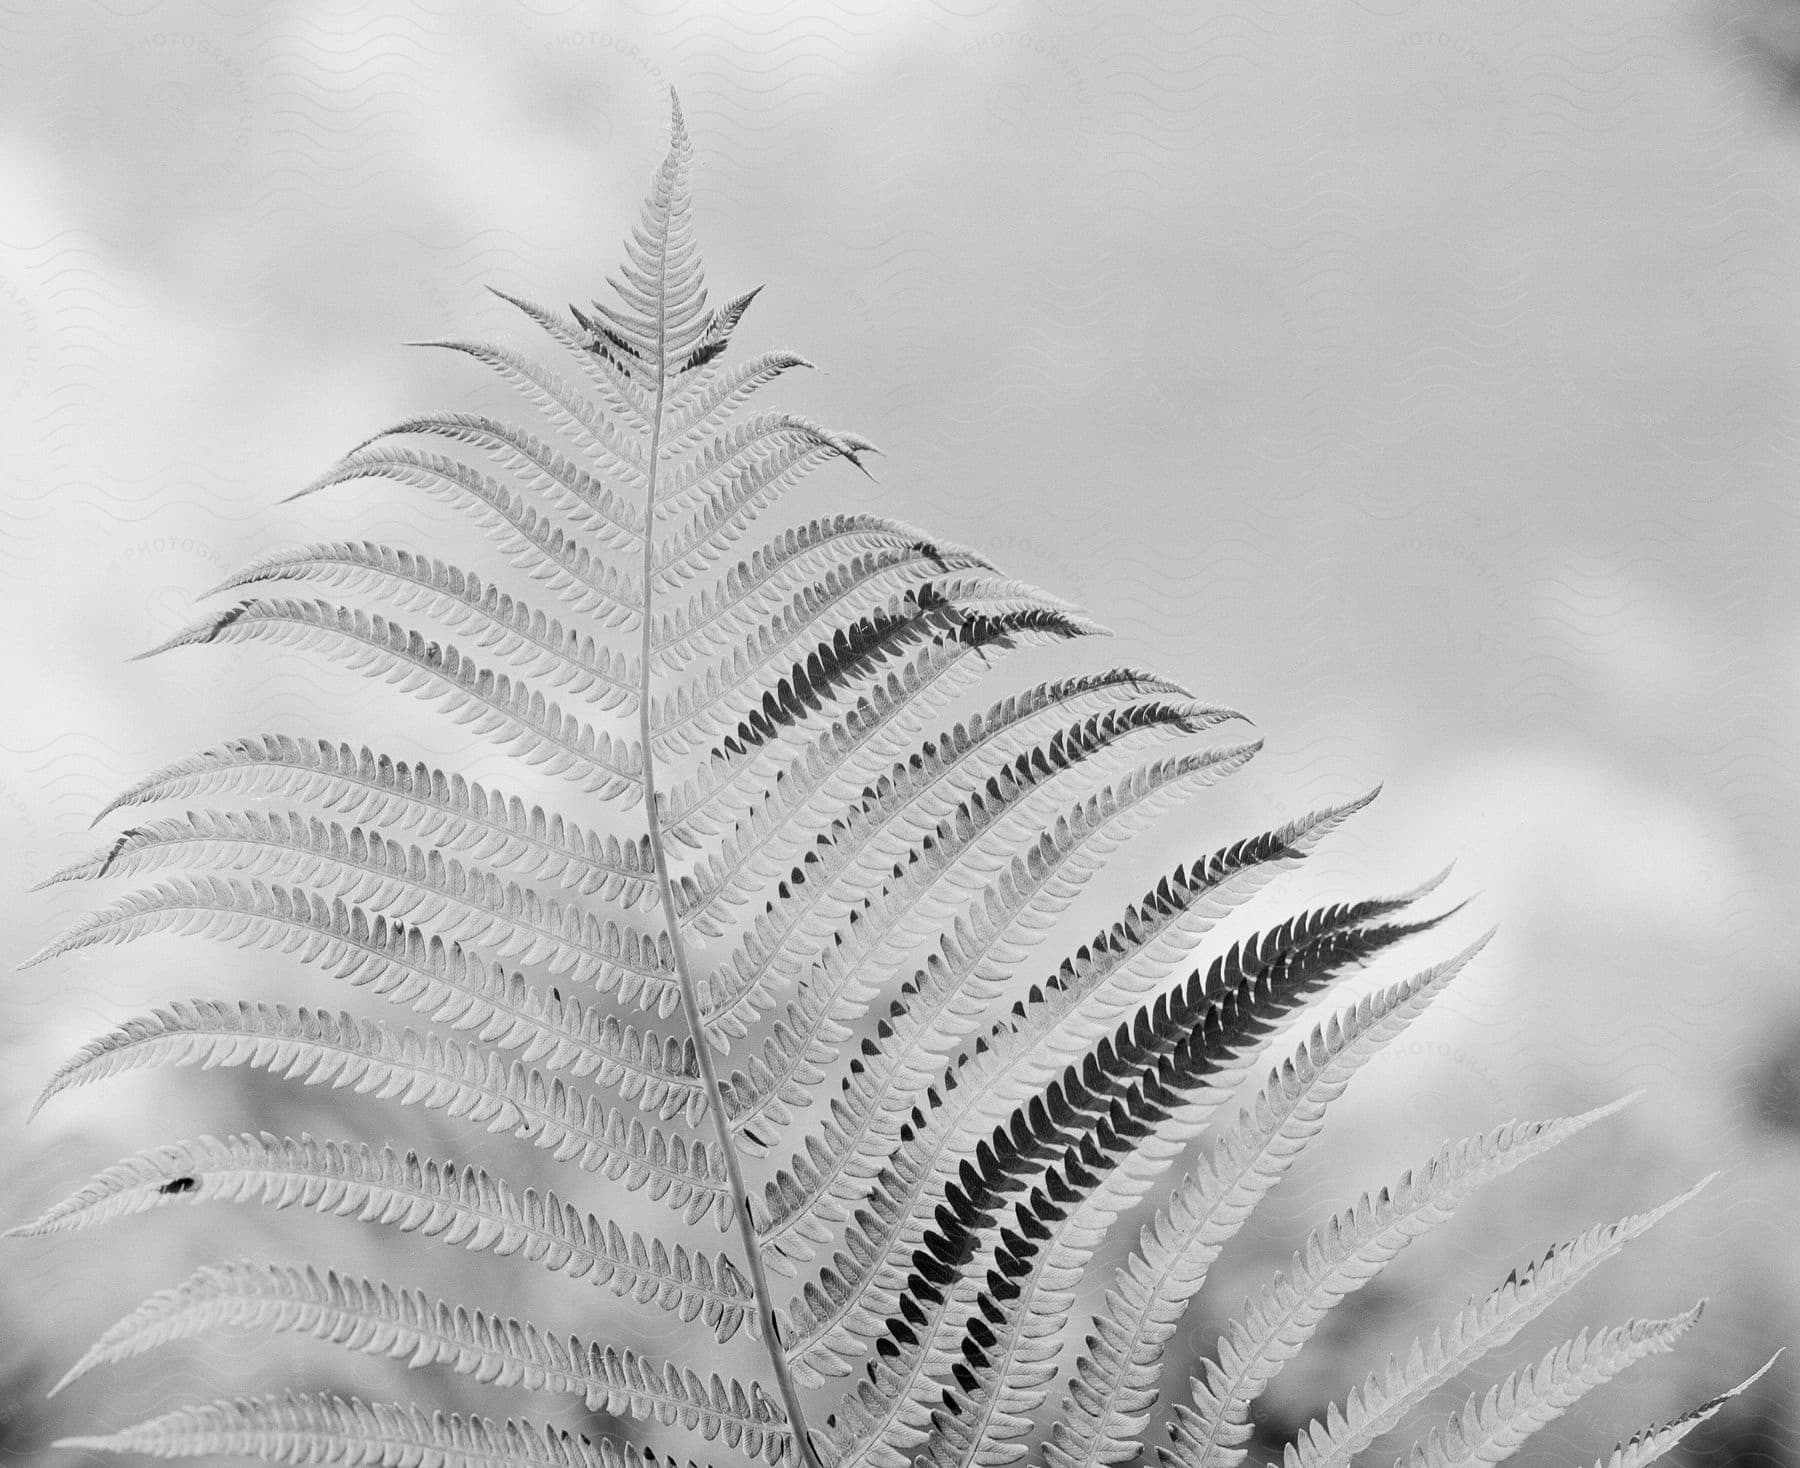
1116 1382
442 980
335 932
1381 1402
553 1032
453 813
1009 891
982 946
880 729
376 1319
730 506
918 793
988 831
1493 1430
566 408
1337 1259
739 460
717 337
410 884
341 1050
882 724
709 398
1084 1149
841 553
609 379
733 700
312 1431
860 651
545 468
534 643
531 541
922 790
977 956
463 1206
935 815
1489 1430
870 1280
453 987
488 703
987 1134
808 658
661 316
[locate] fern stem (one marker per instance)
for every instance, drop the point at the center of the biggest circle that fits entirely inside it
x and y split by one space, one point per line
690 1002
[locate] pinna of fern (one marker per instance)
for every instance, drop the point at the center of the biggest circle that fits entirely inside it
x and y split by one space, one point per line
784 866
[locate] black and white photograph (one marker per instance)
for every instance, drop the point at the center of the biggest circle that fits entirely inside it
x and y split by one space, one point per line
902 734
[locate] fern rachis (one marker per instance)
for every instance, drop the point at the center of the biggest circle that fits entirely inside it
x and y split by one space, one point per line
774 825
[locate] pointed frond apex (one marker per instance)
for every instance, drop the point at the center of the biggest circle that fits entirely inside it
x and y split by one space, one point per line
1336 1260
1491 1428
1653 1442
1384 1399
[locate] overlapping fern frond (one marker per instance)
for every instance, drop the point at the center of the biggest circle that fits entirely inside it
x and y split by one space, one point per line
805 819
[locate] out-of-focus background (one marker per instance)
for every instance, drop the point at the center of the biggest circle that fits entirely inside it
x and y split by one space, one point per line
1421 378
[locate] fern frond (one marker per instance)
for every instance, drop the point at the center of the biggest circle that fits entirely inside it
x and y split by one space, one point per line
859 651
848 553
1382 1402
1000 921
406 883
728 507
881 729
816 651
980 881
870 1276
491 704
878 730
449 985
463 1206
344 1432
921 791
717 336
661 315
1116 1382
555 1033
1080 1152
706 400
340 1050
613 382
543 467
378 1320
734 700
1119 1119
1016 832
337 933
453 813
531 542
739 459
1492 1429
820 815
1336 1260
560 404
978 953
536 644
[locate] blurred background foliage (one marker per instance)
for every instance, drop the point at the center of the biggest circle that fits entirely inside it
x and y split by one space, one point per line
1419 377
